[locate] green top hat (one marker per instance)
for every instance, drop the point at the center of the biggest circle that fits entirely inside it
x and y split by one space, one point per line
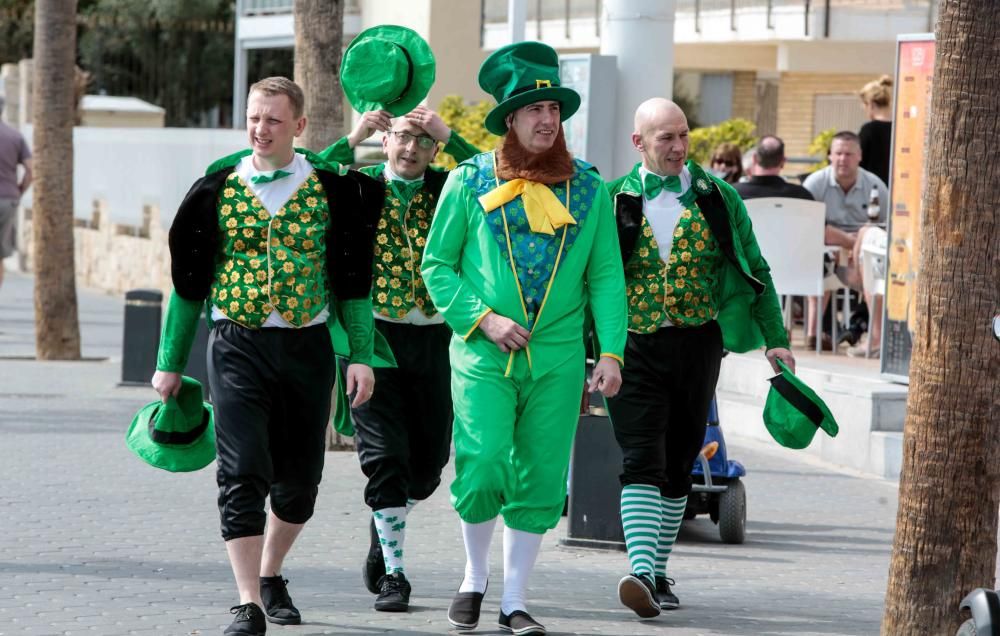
177 435
520 74
387 67
793 412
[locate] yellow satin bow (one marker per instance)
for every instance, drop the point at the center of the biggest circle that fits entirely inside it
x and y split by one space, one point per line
544 210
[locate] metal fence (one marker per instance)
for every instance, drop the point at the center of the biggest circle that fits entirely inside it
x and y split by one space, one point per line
184 66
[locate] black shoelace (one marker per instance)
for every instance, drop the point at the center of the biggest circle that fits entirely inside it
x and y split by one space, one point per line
242 612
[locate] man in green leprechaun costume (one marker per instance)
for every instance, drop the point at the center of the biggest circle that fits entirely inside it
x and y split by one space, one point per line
522 244
403 434
696 283
276 242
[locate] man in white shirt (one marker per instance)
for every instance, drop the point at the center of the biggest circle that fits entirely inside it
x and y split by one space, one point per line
276 242
696 282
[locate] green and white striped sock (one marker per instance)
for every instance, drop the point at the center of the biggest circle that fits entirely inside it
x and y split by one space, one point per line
673 515
641 514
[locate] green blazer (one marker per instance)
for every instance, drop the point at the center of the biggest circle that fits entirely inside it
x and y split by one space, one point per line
468 276
749 311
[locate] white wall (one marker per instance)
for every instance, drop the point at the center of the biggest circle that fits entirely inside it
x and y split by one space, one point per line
132 167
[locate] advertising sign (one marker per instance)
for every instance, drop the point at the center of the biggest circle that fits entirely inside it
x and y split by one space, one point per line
914 75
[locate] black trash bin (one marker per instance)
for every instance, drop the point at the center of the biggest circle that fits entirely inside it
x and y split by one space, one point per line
594 489
141 338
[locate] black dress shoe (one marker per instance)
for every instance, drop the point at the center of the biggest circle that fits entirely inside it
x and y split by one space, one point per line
277 603
668 600
394 593
520 623
464 610
374 568
637 593
249 621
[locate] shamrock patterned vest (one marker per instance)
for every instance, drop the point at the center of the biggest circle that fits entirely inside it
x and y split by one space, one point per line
681 289
399 248
534 257
272 262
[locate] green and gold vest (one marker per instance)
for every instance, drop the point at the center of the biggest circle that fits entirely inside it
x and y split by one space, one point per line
681 289
399 248
272 262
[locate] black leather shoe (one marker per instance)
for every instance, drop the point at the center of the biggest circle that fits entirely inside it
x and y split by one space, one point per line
277 603
637 593
668 600
394 593
249 621
464 610
374 568
520 623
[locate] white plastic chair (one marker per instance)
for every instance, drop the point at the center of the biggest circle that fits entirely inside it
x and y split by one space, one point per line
790 235
873 272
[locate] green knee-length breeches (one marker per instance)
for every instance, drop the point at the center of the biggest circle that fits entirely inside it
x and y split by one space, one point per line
513 437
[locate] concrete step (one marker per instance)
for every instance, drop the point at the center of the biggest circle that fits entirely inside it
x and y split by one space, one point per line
870 411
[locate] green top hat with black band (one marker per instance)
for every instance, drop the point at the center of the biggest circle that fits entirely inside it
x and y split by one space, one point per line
793 412
387 67
520 74
177 435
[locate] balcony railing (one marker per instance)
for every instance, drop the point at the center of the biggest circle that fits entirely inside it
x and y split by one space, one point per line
539 11
259 7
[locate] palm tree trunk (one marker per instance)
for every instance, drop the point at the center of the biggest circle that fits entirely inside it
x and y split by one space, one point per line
946 527
319 28
57 329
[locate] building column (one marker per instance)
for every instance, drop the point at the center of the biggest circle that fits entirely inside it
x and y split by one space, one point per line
640 34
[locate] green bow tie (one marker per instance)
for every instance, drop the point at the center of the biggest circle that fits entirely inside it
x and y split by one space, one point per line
404 190
653 185
268 178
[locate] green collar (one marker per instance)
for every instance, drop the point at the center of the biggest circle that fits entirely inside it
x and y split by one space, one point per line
231 161
700 181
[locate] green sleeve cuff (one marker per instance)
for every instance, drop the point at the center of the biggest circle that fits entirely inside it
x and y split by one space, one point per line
179 328
357 319
340 152
459 148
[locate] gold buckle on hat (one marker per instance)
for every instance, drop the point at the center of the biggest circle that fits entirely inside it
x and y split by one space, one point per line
543 83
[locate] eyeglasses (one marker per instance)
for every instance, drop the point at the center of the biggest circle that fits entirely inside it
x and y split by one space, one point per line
423 141
729 163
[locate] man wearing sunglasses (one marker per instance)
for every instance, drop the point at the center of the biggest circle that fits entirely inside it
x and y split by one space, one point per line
403 436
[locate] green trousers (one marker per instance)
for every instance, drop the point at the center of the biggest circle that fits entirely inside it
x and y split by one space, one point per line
513 437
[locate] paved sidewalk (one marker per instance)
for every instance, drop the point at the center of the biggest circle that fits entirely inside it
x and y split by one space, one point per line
93 541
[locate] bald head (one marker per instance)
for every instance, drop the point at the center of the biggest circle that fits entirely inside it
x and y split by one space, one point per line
655 110
768 156
661 136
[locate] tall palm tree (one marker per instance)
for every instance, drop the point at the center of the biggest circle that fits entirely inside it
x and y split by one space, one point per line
57 329
319 29
946 527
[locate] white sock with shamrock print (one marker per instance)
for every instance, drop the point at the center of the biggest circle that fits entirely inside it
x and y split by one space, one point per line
391 526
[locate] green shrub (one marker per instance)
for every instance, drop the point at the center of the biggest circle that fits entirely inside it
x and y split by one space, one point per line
735 131
820 149
467 120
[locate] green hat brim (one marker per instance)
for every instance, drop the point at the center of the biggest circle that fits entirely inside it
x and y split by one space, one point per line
176 459
569 103
787 412
424 70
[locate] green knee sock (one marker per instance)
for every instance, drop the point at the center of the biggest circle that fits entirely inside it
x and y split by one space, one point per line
641 512
673 515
